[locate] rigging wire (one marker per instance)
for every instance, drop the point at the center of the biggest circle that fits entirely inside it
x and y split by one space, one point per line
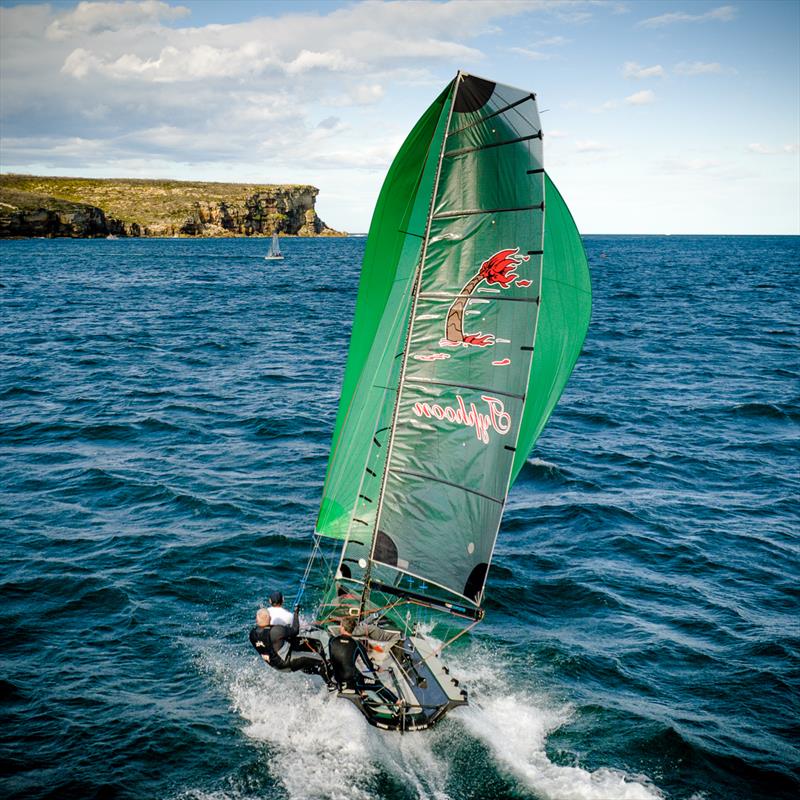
315 550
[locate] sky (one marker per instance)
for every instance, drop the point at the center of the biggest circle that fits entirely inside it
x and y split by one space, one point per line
659 116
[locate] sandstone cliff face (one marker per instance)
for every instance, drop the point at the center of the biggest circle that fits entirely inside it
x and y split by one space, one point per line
25 214
268 212
83 207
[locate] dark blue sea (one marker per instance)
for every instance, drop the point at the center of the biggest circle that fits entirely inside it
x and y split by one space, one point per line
166 408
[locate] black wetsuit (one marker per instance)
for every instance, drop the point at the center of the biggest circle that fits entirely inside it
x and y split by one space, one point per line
274 645
344 652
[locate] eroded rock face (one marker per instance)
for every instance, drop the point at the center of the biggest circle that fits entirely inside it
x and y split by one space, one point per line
168 208
280 211
24 214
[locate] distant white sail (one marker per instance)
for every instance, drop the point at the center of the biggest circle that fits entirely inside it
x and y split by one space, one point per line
274 249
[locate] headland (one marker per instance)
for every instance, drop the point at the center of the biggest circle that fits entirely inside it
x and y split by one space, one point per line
32 205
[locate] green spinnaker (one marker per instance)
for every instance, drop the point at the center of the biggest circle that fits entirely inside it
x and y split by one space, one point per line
563 319
381 315
472 308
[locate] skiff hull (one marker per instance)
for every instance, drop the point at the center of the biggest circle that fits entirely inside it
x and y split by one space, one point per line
411 689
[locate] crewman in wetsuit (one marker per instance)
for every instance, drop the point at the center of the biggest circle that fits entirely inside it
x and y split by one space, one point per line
274 644
345 652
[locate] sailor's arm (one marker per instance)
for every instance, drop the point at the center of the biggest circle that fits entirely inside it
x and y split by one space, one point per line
259 645
375 632
293 629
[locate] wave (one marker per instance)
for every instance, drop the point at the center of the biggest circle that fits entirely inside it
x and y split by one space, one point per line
539 468
21 391
625 296
765 410
121 431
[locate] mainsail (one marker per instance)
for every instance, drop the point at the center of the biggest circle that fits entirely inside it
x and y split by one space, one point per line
275 247
472 308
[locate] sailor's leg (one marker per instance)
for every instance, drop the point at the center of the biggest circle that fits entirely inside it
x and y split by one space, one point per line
307 661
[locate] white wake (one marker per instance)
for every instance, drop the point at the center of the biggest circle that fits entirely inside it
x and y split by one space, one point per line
514 724
319 747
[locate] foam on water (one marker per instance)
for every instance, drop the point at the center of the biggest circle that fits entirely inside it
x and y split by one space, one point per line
318 746
514 723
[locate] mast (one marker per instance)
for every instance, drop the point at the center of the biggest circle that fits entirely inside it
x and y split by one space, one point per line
406 348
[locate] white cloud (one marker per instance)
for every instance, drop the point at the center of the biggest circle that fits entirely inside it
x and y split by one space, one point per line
633 70
95 18
361 95
332 60
771 150
201 62
328 128
534 55
590 146
719 14
702 68
552 41
690 165
361 158
79 62
607 106
643 98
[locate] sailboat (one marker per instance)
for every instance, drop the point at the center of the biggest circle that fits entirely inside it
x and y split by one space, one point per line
274 253
473 304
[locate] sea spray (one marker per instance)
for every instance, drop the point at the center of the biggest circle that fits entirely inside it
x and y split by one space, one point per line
514 723
318 747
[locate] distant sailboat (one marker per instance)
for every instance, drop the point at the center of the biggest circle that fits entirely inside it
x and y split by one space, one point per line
274 250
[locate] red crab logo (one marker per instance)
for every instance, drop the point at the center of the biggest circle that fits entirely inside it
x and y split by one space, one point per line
497 269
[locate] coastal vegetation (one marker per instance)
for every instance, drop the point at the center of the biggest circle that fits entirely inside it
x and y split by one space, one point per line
32 205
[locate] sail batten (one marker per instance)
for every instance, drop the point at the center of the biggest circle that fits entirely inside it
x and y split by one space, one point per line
479 389
428 477
503 110
442 296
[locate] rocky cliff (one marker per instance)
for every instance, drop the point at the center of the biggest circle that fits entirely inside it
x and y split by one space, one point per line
86 207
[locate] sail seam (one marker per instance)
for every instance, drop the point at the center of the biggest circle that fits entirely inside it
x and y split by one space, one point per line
463 150
444 296
472 211
433 478
494 114
467 386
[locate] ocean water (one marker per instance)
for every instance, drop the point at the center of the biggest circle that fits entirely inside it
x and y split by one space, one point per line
165 414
